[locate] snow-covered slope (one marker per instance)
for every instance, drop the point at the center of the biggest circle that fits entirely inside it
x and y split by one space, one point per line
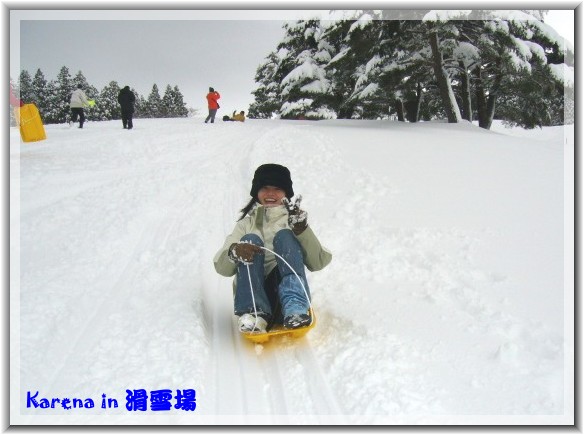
448 300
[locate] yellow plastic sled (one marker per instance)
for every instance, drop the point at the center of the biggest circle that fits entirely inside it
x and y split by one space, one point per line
259 337
31 124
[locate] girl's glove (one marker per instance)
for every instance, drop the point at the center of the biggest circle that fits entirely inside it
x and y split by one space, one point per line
297 218
244 252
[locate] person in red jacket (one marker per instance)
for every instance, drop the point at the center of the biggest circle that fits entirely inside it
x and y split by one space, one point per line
213 105
14 101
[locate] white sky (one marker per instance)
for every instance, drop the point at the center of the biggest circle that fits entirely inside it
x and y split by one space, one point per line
563 22
192 54
191 49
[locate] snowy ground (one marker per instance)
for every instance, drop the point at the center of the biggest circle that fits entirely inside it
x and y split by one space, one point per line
449 298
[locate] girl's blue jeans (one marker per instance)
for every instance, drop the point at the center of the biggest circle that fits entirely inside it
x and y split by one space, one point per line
281 286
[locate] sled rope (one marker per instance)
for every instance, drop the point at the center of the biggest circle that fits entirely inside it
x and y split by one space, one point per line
293 271
255 311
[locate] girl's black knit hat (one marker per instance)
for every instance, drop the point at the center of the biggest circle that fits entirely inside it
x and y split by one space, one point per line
272 174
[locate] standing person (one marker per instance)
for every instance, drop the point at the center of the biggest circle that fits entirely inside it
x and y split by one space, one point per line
14 100
78 102
126 98
271 220
213 105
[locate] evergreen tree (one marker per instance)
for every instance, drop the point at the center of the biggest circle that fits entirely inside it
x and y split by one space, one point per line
432 67
305 86
350 44
166 108
178 103
25 88
42 92
267 95
140 108
532 93
108 107
153 105
80 79
393 69
64 87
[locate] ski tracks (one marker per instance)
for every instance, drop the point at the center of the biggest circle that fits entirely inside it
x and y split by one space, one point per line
133 288
125 307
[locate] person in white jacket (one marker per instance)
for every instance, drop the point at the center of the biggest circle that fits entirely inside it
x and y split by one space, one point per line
78 102
273 221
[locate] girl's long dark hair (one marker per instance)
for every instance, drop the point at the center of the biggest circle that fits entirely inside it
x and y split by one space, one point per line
245 210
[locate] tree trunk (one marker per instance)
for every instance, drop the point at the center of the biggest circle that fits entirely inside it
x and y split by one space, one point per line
481 100
345 112
448 100
465 94
419 94
490 110
486 105
410 107
399 107
492 100
413 106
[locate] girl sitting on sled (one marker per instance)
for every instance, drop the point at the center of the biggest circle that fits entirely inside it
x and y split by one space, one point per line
267 290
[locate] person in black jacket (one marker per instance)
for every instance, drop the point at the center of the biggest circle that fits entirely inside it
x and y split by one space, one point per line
126 98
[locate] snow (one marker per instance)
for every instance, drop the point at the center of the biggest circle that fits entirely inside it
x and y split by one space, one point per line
340 55
518 62
563 73
300 106
316 87
466 53
361 23
307 70
370 90
446 15
449 299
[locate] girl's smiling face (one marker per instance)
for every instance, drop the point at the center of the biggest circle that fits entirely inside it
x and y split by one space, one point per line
270 196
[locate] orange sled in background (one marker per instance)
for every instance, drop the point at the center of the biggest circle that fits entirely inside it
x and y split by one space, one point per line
30 122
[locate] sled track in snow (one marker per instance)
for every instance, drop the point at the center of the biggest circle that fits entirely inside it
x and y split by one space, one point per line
280 378
297 383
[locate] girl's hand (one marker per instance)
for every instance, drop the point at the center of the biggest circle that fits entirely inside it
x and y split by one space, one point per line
297 218
244 252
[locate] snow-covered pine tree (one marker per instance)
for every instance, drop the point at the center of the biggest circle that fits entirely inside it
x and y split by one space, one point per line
141 107
397 69
178 104
108 107
538 85
305 86
501 61
60 99
24 87
152 107
349 44
267 95
41 94
167 109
